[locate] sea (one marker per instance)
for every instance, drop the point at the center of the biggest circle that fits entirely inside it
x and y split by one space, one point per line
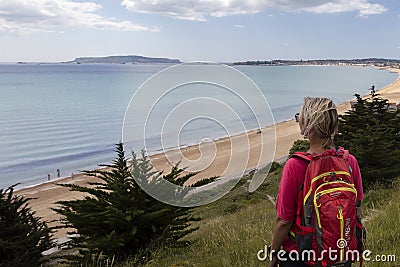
70 116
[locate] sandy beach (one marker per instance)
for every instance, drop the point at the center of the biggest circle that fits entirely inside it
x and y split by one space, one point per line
217 158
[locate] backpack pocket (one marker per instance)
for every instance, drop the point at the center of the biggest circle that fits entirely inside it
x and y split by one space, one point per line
335 209
304 241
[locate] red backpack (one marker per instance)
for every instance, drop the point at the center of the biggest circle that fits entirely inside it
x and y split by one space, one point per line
325 227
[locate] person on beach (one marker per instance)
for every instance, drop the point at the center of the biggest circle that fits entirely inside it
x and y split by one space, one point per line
318 122
58 173
48 177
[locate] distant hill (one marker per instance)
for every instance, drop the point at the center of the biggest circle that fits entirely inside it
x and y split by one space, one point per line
379 62
123 60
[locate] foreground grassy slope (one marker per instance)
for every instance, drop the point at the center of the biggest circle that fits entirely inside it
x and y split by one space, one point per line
382 222
237 226
231 233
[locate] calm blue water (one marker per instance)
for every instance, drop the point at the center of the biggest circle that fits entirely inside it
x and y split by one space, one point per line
70 116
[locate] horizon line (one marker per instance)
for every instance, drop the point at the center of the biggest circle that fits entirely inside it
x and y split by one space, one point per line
190 61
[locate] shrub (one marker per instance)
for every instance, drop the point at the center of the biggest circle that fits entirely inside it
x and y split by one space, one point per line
372 134
23 236
117 218
299 146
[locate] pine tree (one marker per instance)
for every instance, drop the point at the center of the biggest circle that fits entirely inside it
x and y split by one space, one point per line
117 217
23 236
372 134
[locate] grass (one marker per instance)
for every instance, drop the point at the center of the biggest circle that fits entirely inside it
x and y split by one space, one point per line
230 240
382 207
233 230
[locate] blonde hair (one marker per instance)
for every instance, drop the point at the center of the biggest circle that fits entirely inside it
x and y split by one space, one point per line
319 116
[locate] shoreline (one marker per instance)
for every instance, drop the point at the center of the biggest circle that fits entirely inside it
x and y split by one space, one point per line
286 131
39 179
46 194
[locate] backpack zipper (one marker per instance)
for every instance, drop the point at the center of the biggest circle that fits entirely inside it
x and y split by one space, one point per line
340 218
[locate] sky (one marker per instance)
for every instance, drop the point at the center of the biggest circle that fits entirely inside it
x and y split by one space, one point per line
199 30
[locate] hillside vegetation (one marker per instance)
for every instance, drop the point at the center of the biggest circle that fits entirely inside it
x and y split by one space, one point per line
233 230
237 226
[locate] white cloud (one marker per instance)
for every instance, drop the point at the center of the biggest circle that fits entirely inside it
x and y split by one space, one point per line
198 10
362 6
239 26
26 16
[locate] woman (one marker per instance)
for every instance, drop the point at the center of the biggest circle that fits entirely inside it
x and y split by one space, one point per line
318 121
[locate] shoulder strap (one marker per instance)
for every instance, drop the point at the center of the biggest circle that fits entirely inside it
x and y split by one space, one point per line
298 225
303 155
342 152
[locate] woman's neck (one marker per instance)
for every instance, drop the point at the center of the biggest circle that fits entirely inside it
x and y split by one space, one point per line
314 149
316 144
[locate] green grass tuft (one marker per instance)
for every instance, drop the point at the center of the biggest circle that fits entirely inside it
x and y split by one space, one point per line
382 210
